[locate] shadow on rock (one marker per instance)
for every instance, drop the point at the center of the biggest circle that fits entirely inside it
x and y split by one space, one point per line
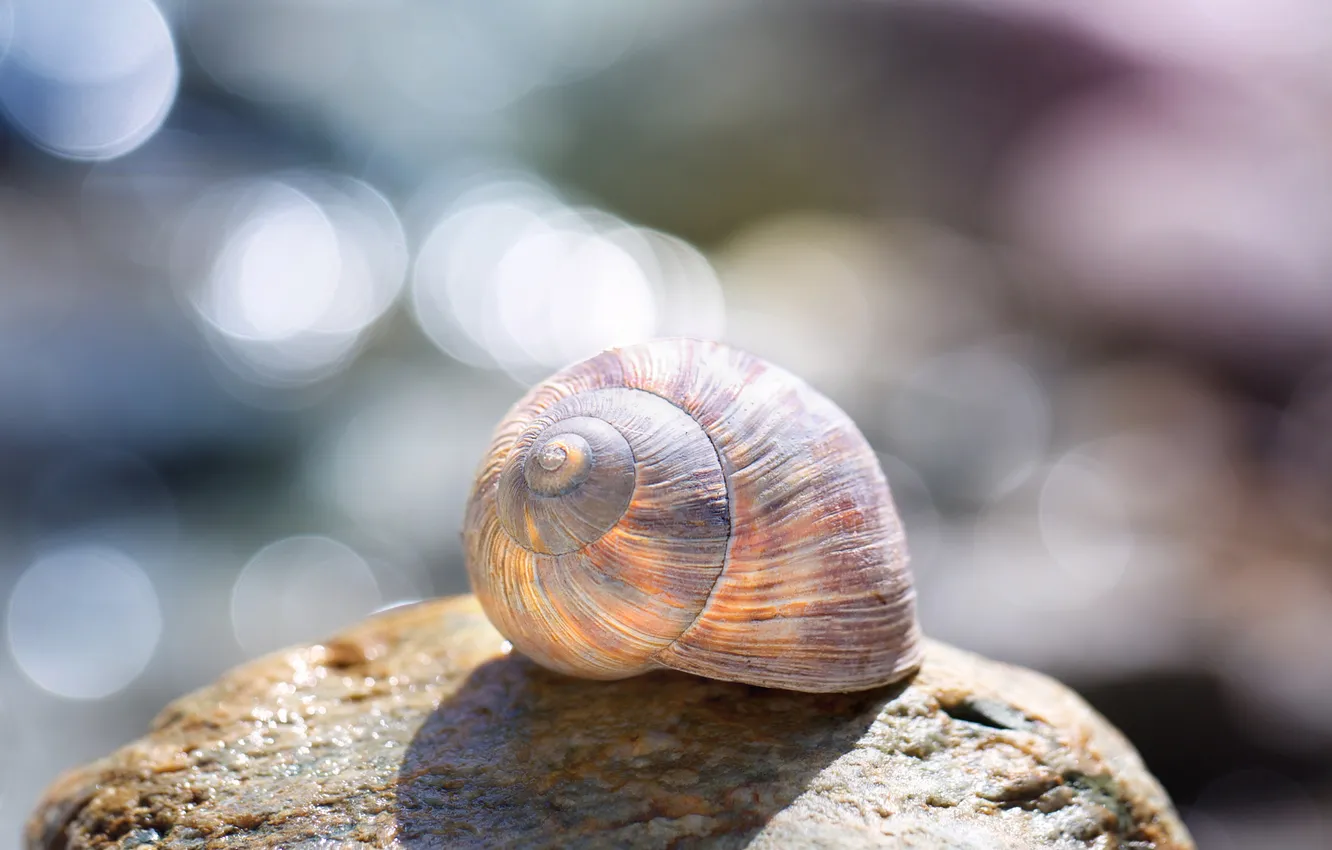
521 757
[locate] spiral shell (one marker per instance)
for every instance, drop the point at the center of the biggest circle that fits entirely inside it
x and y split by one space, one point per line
683 504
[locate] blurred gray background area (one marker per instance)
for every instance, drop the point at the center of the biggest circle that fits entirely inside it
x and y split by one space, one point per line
270 271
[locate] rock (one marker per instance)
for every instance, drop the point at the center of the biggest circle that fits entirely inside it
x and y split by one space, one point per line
415 729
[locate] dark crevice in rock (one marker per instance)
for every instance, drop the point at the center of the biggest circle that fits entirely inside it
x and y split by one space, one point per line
132 822
116 828
1026 794
58 838
1130 828
989 713
142 838
161 824
1052 793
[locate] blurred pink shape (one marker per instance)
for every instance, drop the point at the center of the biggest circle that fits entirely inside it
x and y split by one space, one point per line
1190 207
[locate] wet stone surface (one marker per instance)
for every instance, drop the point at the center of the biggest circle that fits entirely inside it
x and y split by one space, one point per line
416 730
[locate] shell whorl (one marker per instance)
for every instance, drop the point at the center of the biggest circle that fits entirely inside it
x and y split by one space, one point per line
683 504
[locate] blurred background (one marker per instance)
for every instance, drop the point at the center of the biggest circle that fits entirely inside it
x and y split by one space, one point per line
270 271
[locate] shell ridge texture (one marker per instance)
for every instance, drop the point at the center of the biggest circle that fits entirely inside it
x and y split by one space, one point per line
684 504
723 464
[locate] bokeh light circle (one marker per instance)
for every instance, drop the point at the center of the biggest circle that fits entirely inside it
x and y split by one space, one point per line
566 292
278 272
798 290
83 622
387 468
89 80
509 277
288 273
299 589
453 299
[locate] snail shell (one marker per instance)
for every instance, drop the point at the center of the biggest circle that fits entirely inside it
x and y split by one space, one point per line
683 504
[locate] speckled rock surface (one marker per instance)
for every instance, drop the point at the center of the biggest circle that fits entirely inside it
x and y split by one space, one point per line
415 730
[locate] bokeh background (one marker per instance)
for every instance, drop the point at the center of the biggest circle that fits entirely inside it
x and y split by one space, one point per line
270 270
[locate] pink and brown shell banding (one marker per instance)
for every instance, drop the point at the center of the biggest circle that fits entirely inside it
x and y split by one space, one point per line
683 504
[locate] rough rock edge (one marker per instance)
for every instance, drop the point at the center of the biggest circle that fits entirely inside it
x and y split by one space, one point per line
1085 754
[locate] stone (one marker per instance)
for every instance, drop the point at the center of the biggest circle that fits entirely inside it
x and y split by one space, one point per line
418 729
